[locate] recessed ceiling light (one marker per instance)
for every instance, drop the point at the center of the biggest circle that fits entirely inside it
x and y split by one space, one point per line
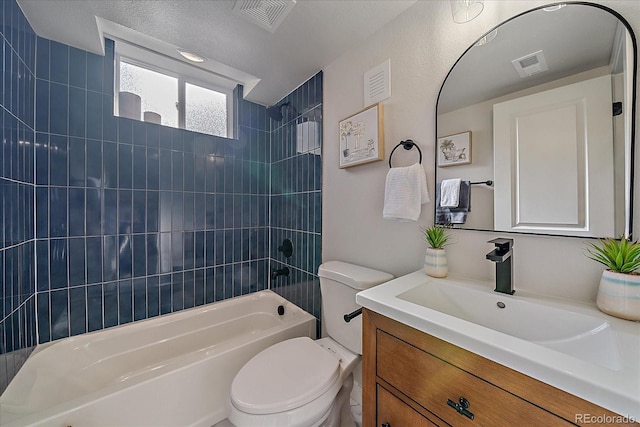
191 56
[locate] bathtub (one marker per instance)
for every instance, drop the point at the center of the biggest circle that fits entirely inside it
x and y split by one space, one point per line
174 370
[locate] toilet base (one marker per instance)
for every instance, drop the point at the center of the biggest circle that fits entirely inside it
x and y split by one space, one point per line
335 416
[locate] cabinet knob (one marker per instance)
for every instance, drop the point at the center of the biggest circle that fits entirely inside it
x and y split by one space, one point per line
385 425
461 406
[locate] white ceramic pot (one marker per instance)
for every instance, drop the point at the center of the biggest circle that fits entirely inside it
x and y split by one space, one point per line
435 263
619 295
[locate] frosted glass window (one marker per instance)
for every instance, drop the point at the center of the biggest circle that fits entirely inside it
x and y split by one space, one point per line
205 110
158 92
170 98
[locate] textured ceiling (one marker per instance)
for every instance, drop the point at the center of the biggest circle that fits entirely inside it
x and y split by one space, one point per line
314 34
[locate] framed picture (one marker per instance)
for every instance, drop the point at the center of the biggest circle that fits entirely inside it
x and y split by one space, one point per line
362 137
454 150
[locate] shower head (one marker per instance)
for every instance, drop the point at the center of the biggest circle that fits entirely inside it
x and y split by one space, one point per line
275 111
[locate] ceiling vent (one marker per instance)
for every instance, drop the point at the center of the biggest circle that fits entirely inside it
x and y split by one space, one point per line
267 14
531 64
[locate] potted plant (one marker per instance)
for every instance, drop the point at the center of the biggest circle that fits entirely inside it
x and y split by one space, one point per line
435 259
619 290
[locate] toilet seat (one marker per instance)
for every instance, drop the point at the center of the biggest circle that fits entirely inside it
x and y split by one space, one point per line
285 376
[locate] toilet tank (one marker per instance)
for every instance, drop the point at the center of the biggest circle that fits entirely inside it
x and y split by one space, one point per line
339 284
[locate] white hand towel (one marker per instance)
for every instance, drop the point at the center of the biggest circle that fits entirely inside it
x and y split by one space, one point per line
450 193
405 192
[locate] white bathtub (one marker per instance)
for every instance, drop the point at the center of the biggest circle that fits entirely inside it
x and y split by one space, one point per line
174 370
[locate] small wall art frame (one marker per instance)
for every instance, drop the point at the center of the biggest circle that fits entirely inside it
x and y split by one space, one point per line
362 137
454 150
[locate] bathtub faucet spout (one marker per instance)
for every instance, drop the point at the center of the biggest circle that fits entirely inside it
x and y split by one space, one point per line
279 272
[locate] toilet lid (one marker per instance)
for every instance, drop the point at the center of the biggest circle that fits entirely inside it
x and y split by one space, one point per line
285 376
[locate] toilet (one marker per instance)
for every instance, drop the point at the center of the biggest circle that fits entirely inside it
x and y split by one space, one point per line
301 382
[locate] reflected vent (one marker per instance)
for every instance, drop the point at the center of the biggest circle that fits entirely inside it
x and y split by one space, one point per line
267 14
531 64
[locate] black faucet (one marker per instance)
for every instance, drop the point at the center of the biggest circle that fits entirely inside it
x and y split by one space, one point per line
502 255
279 272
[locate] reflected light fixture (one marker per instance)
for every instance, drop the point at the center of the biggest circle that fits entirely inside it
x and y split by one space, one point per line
191 56
488 38
554 7
465 10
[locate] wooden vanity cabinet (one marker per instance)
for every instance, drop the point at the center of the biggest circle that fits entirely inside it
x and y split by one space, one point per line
395 412
414 379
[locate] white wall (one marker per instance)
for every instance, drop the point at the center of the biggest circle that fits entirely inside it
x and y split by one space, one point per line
423 43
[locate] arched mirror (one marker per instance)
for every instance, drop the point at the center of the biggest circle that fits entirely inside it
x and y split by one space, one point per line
542 106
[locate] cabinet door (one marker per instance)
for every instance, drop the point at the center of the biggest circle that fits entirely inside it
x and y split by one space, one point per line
393 412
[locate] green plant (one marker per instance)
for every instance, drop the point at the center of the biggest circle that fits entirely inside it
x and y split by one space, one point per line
620 256
436 236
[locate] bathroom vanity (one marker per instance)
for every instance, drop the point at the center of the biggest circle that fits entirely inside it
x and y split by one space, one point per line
414 379
437 365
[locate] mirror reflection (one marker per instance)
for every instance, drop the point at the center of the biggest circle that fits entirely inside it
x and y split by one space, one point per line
541 107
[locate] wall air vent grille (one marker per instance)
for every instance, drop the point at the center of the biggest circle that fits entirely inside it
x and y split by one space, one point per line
267 14
531 64
377 83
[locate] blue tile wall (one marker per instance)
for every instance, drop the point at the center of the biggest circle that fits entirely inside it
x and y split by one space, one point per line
17 191
107 221
296 194
138 219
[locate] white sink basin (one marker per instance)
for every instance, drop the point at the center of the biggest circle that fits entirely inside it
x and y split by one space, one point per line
580 335
569 345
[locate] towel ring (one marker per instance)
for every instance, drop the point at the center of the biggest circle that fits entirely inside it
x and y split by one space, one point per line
407 145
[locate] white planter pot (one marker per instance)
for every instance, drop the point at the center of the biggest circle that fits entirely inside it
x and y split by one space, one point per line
435 263
619 295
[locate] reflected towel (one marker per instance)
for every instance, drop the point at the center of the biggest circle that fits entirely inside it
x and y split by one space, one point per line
457 215
450 193
405 192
